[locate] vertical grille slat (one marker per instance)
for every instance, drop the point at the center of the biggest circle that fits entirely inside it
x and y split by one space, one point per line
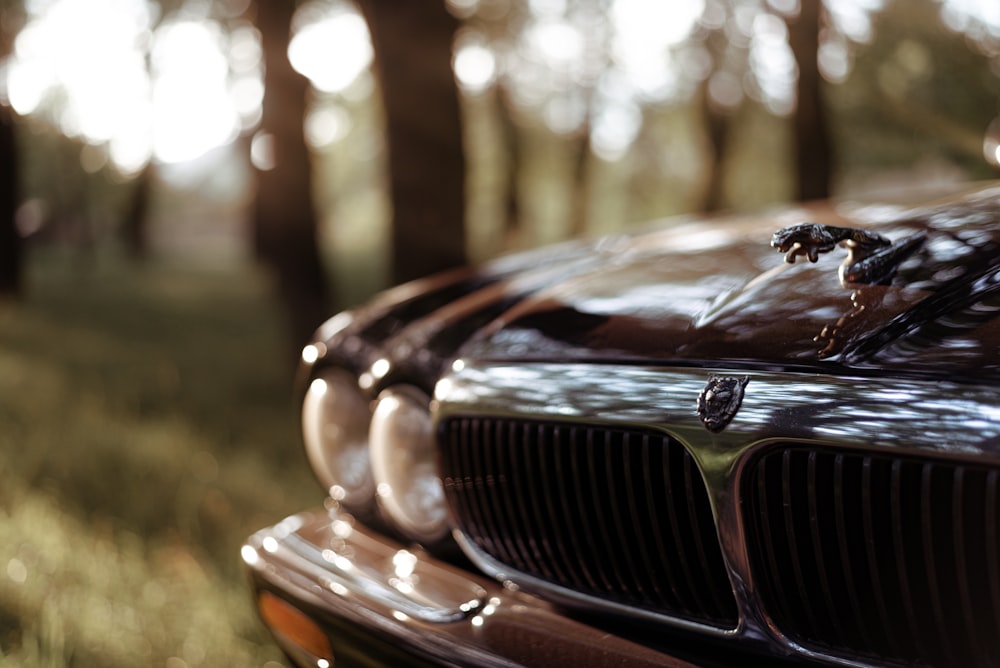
471 506
659 540
623 558
522 449
510 495
899 553
846 560
611 561
577 536
961 563
561 531
930 558
555 548
832 615
487 511
680 543
540 446
483 510
992 549
790 531
584 503
639 527
612 514
877 555
768 538
500 499
869 509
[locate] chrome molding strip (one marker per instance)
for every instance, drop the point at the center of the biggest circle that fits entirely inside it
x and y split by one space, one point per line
567 596
925 417
916 417
330 549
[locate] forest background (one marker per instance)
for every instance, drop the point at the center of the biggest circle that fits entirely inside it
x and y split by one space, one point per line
187 187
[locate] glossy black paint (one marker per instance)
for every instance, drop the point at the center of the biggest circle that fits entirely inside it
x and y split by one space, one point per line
735 302
423 315
705 292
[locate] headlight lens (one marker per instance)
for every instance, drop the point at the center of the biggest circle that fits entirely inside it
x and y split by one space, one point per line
335 419
404 464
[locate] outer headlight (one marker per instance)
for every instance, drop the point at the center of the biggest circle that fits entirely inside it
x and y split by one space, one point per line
404 464
335 419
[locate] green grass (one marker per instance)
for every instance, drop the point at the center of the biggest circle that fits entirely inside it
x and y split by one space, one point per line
147 426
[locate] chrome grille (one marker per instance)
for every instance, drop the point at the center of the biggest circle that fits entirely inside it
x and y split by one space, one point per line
616 515
895 558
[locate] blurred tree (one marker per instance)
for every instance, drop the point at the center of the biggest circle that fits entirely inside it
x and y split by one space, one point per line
10 174
134 225
733 67
284 216
499 33
10 239
597 58
513 156
413 52
813 148
717 118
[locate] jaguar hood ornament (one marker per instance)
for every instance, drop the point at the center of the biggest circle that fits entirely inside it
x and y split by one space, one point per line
871 258
720 400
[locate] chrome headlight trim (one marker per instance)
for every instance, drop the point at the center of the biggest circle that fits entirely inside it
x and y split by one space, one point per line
335 421
404 463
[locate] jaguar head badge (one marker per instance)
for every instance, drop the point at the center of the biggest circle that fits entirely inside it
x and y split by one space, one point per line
720 400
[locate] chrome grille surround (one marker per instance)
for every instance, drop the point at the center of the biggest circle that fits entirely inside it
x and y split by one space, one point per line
954 424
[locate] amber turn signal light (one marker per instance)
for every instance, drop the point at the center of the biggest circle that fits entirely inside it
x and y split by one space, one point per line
294 625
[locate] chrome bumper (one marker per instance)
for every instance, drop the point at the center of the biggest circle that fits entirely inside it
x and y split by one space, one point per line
325 584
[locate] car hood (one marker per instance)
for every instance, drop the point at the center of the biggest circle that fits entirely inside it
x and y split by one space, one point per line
715 293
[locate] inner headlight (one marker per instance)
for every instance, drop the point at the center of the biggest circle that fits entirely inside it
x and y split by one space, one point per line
335 418
404 464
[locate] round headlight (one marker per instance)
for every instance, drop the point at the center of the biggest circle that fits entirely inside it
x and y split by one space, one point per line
404 464
335 419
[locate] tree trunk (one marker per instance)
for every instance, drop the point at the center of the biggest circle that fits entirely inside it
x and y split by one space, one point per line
510 137
284 217
718 120
813 149
11 245
413 48
135 223
10 239
579 210
717 123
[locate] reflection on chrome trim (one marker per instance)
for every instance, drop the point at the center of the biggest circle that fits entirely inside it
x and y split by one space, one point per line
489 565
348 561
931 417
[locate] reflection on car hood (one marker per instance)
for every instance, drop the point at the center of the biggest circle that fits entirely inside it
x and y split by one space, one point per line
717 293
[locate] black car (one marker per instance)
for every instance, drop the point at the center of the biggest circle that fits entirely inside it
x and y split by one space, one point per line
664 448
